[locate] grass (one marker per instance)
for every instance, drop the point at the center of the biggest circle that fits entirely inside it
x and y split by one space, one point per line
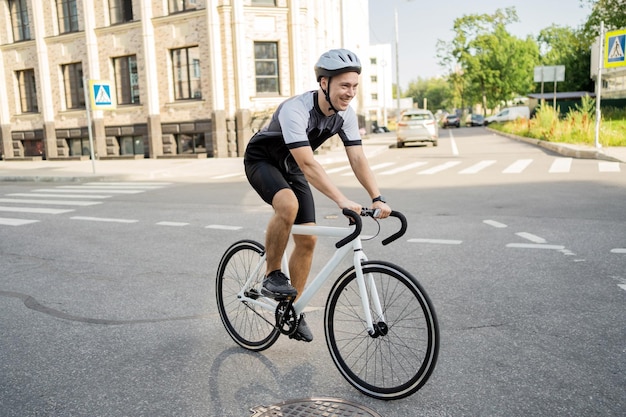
577 127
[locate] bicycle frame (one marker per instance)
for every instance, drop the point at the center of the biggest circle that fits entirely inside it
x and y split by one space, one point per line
325 272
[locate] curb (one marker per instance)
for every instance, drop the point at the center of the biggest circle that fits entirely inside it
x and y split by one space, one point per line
571 151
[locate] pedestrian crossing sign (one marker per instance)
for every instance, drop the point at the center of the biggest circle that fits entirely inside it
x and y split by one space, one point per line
100 93
614 47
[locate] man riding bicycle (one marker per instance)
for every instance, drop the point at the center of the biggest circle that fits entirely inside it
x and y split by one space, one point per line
280 164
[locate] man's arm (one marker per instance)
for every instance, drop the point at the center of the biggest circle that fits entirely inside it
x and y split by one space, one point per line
364 174
318 178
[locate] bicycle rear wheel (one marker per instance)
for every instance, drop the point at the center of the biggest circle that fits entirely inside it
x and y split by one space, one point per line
251 326
399 359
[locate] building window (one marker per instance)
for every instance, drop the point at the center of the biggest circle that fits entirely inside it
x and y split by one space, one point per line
266 67
19 20
74 88
126 79
120 11
79 146
264 2
133 145
190 143
186 67
28 91
182 5
67 12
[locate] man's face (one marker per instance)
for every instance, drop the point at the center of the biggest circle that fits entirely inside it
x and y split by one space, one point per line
342 89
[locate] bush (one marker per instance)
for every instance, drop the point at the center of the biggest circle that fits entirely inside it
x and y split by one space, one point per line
577 127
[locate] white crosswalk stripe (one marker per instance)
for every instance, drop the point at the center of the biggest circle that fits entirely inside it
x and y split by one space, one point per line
518 166
439 168
561 165
604 166
477 167
67 195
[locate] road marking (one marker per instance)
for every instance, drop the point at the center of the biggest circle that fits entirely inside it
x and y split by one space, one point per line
518 166
477 167
226 176
404 168
104 219
172 224
622 286
123 186
455 150
436 241
608 166
373 168
34 210
130 183
339 169
534 246
560 165
439 168
15 222
495 224
618 250
223 227
55 202
531 237
66 189
58 195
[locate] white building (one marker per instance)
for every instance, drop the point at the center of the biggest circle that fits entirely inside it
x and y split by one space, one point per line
188 77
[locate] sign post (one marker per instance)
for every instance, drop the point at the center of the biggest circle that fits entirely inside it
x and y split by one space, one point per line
98 97
549 74
611 55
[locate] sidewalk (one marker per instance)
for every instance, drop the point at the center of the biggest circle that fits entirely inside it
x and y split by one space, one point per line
613 154
164 170
198 170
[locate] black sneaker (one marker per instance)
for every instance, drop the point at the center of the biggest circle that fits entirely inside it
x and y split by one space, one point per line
277 286
303 333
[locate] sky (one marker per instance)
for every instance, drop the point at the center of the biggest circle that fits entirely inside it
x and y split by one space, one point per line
422 22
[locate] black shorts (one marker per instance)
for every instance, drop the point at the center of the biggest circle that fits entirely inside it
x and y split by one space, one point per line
267 179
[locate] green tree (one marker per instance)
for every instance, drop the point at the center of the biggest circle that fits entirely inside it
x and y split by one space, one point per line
611 12
568 47
494 64
436 91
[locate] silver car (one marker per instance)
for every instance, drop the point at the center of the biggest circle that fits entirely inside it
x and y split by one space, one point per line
417 126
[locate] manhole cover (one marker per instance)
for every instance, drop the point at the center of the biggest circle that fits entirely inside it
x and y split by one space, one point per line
312 407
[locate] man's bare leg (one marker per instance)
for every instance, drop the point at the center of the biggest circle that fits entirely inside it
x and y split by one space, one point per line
301 259
277 235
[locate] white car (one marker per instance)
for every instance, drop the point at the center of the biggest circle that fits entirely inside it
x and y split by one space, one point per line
417 126
508 114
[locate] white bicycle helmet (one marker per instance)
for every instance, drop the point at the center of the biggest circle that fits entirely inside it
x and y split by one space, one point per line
337 61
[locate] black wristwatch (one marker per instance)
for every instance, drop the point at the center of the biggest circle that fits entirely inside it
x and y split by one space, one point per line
379 198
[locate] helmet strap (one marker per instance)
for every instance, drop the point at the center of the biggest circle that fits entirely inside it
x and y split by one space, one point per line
327 96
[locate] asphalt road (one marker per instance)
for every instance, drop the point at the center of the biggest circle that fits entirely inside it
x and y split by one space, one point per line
109 310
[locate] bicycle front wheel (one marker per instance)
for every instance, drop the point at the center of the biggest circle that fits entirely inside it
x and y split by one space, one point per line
251 326
399 358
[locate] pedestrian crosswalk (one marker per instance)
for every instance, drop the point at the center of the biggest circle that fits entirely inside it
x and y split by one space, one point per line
560 165
64 199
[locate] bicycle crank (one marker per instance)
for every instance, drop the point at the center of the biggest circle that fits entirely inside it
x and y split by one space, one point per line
286 319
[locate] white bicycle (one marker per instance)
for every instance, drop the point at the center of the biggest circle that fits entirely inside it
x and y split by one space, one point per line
380 325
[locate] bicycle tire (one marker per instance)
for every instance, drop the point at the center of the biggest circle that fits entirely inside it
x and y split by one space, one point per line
249 326
393 365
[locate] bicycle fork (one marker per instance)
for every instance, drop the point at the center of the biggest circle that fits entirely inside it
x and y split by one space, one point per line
369 294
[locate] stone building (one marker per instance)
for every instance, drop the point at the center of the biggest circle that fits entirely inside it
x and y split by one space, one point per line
187 78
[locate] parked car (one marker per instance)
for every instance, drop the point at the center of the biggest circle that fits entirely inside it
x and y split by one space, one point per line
475 119
508 114
417 126
451 120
